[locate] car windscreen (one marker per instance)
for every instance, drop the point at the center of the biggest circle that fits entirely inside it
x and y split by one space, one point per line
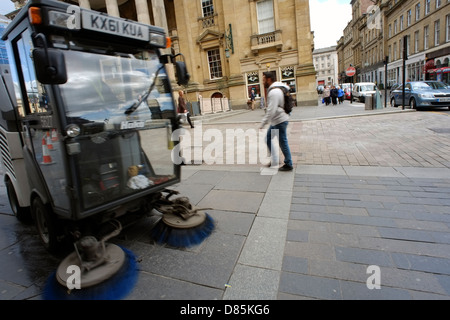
367 87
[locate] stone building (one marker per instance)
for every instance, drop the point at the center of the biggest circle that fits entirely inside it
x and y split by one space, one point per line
381 28
228 44
326 65
425 26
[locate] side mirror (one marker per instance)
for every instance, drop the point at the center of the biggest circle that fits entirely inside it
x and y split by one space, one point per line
50 66
182 73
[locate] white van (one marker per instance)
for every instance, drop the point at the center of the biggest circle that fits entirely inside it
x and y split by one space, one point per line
363 89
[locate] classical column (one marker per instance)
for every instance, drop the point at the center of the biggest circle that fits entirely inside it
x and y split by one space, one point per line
143 14
112 8
159 14
306 73
84 4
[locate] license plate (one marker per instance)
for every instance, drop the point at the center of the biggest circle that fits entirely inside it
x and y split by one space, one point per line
444 100
132 124
115 26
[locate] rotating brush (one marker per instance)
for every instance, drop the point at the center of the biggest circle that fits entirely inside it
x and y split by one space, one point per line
181 225
169 233
105 272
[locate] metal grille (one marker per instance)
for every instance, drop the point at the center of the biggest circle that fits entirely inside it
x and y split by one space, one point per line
6 155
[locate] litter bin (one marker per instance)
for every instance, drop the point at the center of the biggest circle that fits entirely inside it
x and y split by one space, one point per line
369 102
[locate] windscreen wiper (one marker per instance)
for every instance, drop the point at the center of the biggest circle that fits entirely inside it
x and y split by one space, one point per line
138 102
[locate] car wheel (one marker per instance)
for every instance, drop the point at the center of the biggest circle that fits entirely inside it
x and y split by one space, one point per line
413 104
46 225
22 213
393 104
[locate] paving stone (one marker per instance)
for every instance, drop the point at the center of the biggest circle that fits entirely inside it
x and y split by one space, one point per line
422 263
155 287
408 247
295 264
297 235
309 286
265 244
359 291
406 234
218 253
244 181
320 251
252 283
239 201
363 256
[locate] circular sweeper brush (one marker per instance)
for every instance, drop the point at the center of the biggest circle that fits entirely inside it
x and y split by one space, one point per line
181 225
96 270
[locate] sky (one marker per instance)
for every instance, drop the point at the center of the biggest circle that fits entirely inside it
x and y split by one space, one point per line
328 21
6 6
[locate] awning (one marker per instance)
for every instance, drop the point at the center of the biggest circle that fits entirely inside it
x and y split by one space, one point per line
439 70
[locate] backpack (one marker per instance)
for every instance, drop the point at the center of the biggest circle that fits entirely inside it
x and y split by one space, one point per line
288 101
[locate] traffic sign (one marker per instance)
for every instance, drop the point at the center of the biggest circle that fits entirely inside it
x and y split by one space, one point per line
350 72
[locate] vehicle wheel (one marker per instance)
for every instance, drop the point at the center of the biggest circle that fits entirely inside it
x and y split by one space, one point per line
393 105
22 213
46 225
413 104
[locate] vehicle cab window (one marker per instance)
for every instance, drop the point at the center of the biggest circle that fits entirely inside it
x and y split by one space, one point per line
30 93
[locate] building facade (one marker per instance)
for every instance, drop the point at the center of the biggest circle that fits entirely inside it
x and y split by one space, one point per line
384 29
228 44
326 65
423 27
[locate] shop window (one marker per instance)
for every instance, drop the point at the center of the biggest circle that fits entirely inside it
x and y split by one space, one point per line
253 84
288 78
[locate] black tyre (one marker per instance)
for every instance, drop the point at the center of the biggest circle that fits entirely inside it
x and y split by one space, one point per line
413 104
393 105
22 214
47 225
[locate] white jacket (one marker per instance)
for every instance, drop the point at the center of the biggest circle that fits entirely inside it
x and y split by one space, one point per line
275 113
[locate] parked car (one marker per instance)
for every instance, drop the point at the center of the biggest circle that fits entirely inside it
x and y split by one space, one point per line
392 91
419 94
363 89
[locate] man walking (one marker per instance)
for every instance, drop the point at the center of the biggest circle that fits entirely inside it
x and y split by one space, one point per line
182 107
278 120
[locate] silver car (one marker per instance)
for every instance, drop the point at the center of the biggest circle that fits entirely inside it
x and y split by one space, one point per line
421 94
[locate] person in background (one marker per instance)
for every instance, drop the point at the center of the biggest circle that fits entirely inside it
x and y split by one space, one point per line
252 99
326 95
334 95
340 95
182 107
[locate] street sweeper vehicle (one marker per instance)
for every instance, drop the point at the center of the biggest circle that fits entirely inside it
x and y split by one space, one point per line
87 114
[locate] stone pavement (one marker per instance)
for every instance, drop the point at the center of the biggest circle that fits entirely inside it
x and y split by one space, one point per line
366 191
